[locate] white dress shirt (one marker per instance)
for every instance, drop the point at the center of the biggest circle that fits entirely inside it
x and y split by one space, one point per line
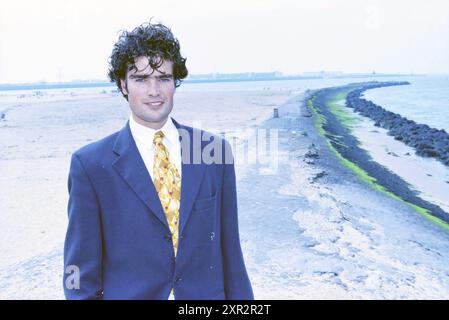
143 136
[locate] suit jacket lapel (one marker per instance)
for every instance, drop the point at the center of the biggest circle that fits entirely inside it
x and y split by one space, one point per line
192 174
131 167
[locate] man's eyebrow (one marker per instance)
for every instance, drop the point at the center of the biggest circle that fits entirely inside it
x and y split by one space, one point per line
139 76
146 76
165 75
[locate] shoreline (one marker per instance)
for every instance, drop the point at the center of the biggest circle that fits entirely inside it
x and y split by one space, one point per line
428 176
427 141
347 241
335 125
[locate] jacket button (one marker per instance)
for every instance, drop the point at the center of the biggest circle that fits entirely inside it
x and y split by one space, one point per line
178 280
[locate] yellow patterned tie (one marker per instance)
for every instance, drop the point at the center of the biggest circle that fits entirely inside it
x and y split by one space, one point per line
168 185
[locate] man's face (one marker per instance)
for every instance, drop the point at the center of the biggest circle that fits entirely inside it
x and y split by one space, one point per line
150 92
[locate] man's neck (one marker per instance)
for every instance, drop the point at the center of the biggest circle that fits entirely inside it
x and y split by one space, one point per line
151 125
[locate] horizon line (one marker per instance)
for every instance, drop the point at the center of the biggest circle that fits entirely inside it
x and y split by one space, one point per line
209 77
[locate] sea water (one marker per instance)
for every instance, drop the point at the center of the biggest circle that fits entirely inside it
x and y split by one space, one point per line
425 100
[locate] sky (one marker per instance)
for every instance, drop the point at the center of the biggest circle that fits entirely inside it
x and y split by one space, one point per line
64 40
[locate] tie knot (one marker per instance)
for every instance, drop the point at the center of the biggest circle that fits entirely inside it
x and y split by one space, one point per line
158 136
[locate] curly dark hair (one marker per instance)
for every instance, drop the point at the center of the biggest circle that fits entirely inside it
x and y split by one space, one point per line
154 41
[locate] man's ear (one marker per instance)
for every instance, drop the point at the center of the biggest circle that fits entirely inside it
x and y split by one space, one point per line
123 84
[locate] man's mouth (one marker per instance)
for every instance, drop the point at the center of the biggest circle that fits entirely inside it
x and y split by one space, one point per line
154 103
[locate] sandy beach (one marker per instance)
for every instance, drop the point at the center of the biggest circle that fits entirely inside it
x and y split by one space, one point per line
39 133
309 230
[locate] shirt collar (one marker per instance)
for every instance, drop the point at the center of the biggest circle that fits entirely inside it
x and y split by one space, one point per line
145 135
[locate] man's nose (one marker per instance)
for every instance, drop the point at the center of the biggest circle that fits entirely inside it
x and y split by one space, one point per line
153 87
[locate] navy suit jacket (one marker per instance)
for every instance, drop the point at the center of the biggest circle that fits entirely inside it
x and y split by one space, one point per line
118 236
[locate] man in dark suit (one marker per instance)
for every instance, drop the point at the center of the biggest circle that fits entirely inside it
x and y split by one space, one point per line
152 215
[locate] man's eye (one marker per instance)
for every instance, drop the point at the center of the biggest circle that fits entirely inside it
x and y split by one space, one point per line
140 80
165 79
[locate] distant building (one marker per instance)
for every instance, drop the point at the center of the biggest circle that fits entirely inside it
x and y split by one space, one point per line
236 76
323 74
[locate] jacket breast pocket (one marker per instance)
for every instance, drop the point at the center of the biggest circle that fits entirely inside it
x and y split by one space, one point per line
205 205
